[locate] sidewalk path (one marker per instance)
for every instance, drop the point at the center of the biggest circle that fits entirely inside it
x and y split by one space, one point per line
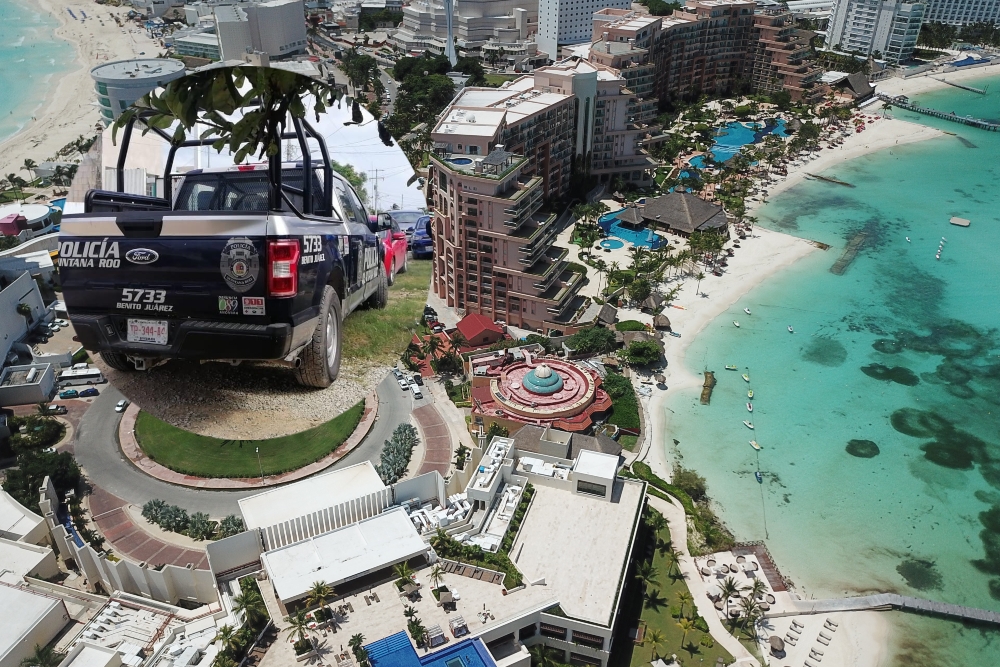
127 539
437 440
673 512
132 451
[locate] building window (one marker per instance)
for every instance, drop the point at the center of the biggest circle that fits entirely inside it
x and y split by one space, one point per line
105 102
527 632
102 88
586 639
553 631
591 488
580 660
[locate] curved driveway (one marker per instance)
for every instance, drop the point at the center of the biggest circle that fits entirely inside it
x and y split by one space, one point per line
96 450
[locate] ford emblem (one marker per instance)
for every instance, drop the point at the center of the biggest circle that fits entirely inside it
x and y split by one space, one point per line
142 256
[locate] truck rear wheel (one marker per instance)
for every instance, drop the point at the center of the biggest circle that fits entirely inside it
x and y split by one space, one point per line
117 361
321 357
380 298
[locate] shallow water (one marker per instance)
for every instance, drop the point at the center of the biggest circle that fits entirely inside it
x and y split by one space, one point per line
881 449
31 57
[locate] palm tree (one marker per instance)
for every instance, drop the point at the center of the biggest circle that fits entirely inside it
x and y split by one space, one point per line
319 594
699 277
457 341
356 642
432 345
15 183
29 166
299 625
673 557
657 523
226 636
43 656
729 588
646 574
751 612
403 571
686 625
251 605
437 575
757 589
656 641
223 660
409 612
440 541
684 598
540 656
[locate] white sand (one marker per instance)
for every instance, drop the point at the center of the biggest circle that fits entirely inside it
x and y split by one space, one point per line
921 84
70 107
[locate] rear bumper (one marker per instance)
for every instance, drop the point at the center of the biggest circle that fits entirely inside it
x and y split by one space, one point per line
193 339
423 249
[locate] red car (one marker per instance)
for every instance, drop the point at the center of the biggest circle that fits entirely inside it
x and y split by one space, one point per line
394 239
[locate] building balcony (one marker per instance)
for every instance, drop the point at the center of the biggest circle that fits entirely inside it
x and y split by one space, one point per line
537 239
525 204
561 295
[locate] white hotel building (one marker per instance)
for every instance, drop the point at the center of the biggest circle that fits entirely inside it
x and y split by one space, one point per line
963 12
566 22
884 29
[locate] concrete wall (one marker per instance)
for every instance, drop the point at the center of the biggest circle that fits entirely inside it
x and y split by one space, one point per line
233 553
39 390
14 326
170 584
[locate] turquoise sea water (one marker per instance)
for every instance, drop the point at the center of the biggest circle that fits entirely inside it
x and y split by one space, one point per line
31 56
902 350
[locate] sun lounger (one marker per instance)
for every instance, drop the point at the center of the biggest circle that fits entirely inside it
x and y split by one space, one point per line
825 636
824 642
809 664
791 639
816 651
375 597
796 630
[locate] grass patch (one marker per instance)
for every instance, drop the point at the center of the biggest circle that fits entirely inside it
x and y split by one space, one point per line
496 80
382 335
628 441
202 456
624 404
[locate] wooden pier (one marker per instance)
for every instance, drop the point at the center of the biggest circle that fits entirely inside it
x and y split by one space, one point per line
958 85
706 389
767 566
831 180
887 601
964 120
850 252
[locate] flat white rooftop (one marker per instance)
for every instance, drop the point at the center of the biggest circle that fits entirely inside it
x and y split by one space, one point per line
15 520
90 655
310 495
20 612
596 464
344 554
19 559
594 539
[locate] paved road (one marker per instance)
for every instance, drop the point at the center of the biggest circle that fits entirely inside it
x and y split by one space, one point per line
97 452
394 408
391 87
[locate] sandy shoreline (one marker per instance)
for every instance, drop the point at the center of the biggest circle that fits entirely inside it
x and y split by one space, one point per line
70 106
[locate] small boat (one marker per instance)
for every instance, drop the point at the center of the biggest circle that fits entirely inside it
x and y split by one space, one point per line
749 425
758 477
908 239
753 443
749 406
675 334
790 329
731 367
746 378
736 323
746 310
750 393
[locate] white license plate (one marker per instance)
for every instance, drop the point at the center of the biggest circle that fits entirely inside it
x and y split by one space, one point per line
147 331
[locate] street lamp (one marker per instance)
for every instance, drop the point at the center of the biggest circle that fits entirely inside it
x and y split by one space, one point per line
261 466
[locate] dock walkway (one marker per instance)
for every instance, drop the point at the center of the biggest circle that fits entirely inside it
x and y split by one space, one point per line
886 601
964 120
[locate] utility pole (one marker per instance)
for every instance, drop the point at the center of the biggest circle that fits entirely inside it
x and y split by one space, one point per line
261 466
374 180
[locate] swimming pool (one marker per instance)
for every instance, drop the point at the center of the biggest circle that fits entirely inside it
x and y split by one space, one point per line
735 136
612 244
640 237
460 160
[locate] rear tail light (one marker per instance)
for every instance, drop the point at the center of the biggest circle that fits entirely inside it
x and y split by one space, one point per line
283 268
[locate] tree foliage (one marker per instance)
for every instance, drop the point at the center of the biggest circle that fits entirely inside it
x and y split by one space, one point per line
33 466
396 453
211 97
41 431
642 352
592 341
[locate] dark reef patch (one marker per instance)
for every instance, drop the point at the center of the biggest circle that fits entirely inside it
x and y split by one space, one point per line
990 535
863 449
897 374
995 589
888 346
955 458
953 372
825 351
918 423
960 391
920 574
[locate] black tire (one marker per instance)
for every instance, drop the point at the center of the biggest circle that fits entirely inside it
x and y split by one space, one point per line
117 361
405 263
391 277
380 298
321 357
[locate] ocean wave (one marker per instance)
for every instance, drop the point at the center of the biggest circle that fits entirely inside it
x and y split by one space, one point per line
19 43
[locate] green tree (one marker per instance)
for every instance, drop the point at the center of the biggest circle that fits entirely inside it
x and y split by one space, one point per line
299 625
403 571
33 466
319 594
655 640
200 526
29 166
686 625
642 352
639 290
226 636
646 574
541 657
354 177
729 588
43 656
432 345
685 598
594 340
496 431
436 575
699 278
231 525
251 605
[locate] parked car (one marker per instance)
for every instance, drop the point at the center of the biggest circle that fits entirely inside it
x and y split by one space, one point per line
407 221
61 322
422 243
429 312
394 240
418 380
69 393
121 405
49 450
79 367
396 372
403 384
55 410
88 392
416 391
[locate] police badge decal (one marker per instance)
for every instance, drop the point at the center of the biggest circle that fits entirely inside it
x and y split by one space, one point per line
240 264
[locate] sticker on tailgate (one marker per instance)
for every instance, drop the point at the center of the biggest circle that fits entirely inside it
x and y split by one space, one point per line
240 264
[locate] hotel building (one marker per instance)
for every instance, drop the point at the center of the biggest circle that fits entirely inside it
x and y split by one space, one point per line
567 22
962 12
779 57
884 29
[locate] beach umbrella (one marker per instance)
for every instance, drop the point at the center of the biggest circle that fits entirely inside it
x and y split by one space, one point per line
777 644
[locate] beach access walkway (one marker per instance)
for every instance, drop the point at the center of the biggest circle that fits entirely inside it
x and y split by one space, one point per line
673 512
964 120
887 601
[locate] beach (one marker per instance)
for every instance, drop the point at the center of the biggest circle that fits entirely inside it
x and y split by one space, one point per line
872 637
69 109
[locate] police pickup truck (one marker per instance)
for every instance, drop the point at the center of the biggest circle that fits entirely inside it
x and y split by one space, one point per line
252 262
